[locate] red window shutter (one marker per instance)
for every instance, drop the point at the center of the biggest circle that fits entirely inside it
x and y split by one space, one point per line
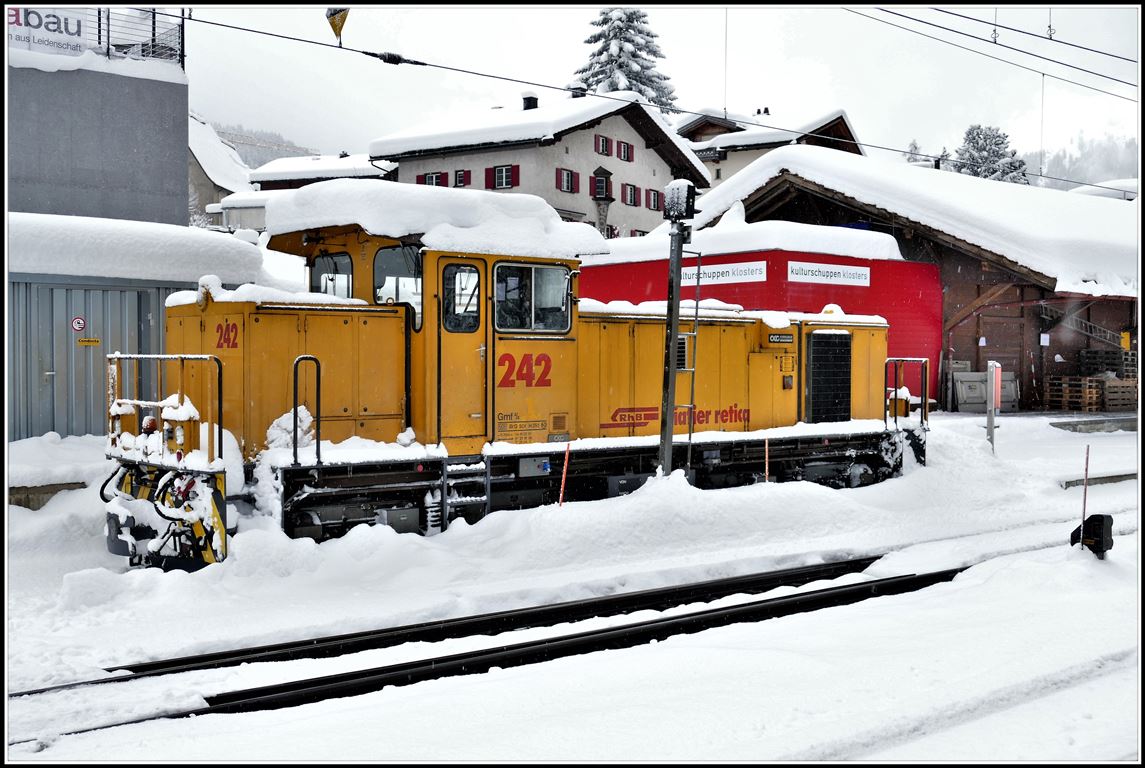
468 178
631 153
558 178
515 176
636 196
596 143
608 146
591 186
421 178
608 188
648 198
489 178
576 182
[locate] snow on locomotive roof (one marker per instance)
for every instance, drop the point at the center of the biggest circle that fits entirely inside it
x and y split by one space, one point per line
260 294
53 244
733 235
447 219
714 309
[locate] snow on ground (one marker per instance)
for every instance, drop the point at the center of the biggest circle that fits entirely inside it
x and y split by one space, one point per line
1033 656
50 459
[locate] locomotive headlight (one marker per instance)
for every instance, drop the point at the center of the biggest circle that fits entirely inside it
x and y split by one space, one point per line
179 435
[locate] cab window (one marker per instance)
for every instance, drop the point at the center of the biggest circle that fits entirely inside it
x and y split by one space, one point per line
332 273
532 298
397 277
461 298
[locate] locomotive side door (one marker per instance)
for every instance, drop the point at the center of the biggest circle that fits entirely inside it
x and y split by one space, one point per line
462 351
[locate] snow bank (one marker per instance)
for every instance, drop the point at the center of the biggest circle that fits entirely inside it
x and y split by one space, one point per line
147 69
50 459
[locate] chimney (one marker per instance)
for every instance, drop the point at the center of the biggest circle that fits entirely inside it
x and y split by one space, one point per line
530 99
578 89
764 111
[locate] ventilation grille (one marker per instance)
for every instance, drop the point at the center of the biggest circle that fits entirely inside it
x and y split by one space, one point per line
560 422
681 352
829 377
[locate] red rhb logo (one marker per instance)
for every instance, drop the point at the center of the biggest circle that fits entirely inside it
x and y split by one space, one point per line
632 417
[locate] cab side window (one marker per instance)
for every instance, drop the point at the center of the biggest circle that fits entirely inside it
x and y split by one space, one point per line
532 298
397 277
332 274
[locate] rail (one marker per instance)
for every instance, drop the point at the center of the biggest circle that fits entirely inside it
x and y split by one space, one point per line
114 368
317 407
898 362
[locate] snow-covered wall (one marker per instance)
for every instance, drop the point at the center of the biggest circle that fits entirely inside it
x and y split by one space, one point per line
92 143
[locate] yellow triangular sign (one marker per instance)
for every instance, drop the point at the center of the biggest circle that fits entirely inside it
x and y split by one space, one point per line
337 17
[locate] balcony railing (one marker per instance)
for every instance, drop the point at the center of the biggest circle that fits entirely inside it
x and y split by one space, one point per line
123 33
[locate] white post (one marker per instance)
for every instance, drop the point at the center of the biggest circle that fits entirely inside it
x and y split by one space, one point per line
993 398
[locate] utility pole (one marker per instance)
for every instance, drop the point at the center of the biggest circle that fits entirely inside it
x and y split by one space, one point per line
679 206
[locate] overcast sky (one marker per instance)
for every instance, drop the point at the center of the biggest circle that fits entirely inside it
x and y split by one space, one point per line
800 63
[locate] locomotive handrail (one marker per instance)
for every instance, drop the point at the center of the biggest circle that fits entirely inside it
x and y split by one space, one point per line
924 410
317 407
116 356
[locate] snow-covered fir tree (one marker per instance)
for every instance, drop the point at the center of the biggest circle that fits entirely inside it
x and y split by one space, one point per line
625 58
913 152
986 153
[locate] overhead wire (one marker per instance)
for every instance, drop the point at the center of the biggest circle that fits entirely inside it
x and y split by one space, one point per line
393 58
1051 38
996 58
1009 47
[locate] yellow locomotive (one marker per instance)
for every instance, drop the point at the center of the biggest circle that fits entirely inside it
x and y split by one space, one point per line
447 368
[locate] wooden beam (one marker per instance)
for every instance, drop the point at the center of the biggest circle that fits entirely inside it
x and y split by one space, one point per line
969 309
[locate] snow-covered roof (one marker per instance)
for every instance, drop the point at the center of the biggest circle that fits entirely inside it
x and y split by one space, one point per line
218 158
732 235
1090 245
468 220
1101 189
755 136
252 199
44 243
320 167
551 119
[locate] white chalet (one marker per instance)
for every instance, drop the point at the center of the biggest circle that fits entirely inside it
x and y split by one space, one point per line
728 143
604 160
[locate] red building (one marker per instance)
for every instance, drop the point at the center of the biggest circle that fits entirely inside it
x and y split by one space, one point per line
796 278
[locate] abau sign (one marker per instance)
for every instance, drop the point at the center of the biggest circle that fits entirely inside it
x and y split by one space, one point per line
46 30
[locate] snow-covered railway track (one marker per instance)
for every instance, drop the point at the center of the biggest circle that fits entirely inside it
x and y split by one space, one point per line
483 624
357 682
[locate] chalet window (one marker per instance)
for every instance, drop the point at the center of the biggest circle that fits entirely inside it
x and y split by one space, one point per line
652 199
636 233
461 178
333 274
502 177
532 298
624 150
601 187
568 181
603 145
611 232
630 194
438 179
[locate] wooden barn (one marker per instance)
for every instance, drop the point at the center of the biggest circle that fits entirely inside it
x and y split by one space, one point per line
1041 281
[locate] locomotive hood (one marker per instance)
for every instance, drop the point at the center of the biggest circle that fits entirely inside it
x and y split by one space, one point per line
467 220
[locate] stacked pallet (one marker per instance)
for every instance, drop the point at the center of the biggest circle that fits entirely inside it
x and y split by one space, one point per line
1073 393
1119 394
1097 361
